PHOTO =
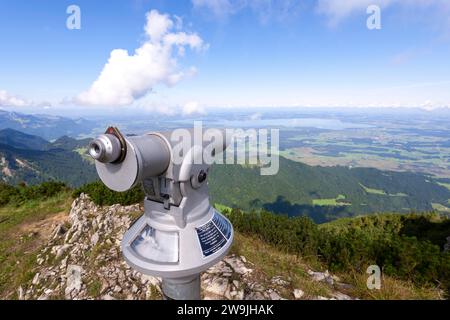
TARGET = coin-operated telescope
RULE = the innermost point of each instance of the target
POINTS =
(180, 234)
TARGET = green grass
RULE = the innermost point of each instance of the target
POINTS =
(221, 207)
(274, 262)
(18, 250)
(94, 288)
(33, 210)
(83, 153)
(336, 202)
(391, 289)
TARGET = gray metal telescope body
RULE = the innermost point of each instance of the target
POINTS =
(180, 234)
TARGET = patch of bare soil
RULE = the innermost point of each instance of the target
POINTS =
(42, 229)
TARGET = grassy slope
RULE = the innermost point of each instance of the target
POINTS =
(20, 242)
(336, 202)
(273, 262)
(19, 246)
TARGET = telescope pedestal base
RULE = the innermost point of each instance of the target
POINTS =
(182, 289)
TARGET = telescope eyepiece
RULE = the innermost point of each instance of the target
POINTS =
(106, 148)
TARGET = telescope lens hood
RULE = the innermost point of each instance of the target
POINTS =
(106, 148)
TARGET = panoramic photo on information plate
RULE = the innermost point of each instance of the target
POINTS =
(225, 150)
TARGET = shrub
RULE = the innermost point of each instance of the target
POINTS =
(354, 244)
(298, 235)
(6, 193)
(17, 195)
(102, 196)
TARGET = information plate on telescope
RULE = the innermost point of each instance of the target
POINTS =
(223, 225)
(213, 235)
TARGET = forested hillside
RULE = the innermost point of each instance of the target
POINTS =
(30, 159)
(325, 193)
(22, 140)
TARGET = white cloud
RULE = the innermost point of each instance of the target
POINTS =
(126, 78)
(430, 105)
(193, 107)
(154, 107)
(8, 100)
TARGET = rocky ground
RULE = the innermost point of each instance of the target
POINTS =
(82, 260)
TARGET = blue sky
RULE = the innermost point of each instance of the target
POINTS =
(236, 53)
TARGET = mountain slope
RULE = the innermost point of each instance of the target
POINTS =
(32, 159)
(22, 140)
(71, 144)
(34, 166)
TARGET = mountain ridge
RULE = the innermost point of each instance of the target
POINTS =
(46, 126)
(22, 140)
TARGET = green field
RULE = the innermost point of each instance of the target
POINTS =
(440, 207)
(83, 153)
(447, 185)
(336, 202)
(373, 191)
(397, 148)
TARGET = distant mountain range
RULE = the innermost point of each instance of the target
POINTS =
(31, 159)
(322, 193)
(45, 126)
